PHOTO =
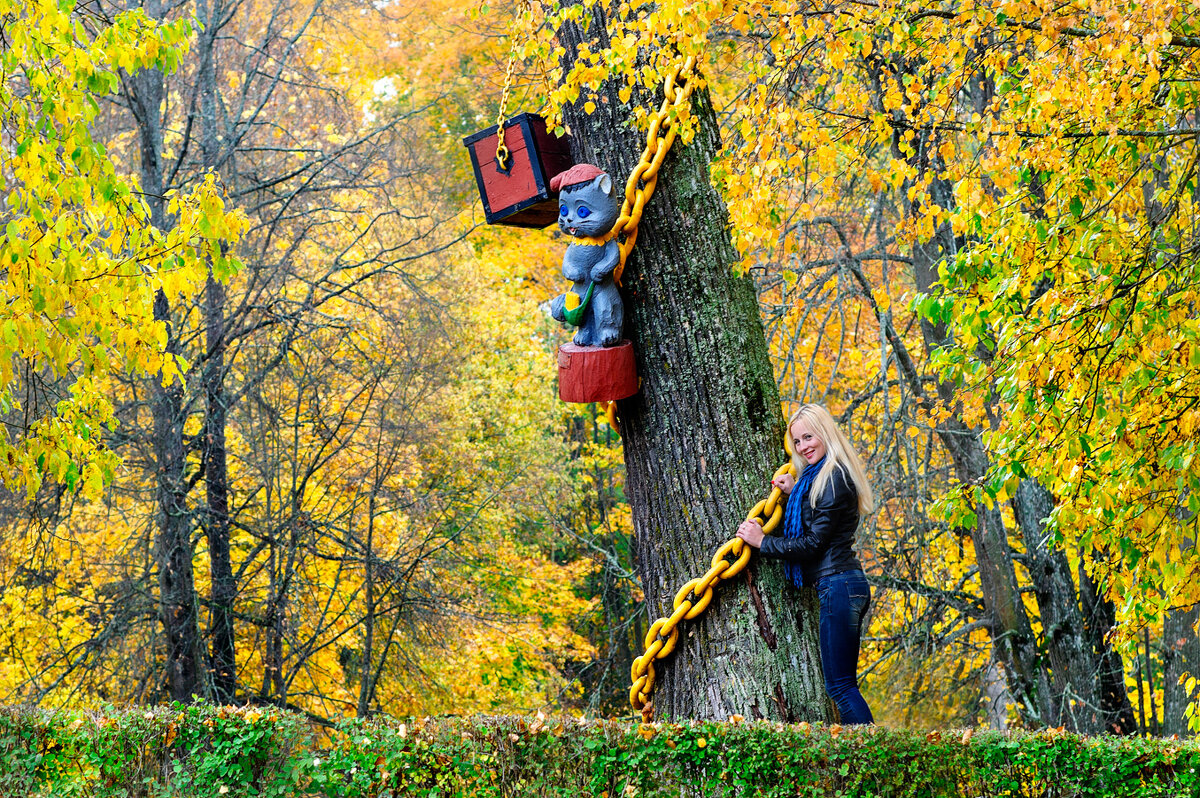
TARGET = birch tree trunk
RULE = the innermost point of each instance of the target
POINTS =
(704, 435)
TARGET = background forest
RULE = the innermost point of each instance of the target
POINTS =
(281, 417)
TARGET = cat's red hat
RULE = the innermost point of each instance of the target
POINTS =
(579, 173)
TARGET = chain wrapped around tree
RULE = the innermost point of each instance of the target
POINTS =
(601, 238)
(695, 596)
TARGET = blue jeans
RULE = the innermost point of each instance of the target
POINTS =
(845, 598)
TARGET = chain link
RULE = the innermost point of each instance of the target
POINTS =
(677, 94)
(502, 153)
(695, 596)
(734, 555)
(609, 410)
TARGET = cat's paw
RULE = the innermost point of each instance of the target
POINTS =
(610, 337)
(556, 308)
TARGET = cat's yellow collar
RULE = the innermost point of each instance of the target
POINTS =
(593, 241)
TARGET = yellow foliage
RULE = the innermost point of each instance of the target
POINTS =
(1055, 146)
(82, 263)
(400, 465)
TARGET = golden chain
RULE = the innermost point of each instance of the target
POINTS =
(677, 93)
(502, 153)
(694, 597)
(609, 409)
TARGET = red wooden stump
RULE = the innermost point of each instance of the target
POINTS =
(596, 373)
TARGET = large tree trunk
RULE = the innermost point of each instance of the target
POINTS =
(173, 546)
(704, 435)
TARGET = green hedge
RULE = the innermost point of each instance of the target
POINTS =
(212, 751)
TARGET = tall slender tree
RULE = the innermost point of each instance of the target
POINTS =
(177, 595)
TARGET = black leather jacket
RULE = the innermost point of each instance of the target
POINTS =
(827, 544)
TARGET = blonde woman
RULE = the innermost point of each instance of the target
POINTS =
(819, 522)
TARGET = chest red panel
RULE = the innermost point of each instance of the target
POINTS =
(519, 195)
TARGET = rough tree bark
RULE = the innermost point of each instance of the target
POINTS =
(173, 546)
(704, 435)
(1181, 654)
(1099, 617)
(1077, 698)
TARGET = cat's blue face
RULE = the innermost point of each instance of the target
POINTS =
(586, 209)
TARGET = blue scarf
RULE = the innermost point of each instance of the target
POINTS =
(793, 518)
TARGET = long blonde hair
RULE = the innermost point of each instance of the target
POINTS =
(839, 453)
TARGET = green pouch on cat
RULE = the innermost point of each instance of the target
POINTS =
(574, 316)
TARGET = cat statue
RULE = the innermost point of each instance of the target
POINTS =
(587, 211)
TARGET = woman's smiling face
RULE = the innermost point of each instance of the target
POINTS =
(806, 443)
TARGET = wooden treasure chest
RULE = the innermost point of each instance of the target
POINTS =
(519, 194)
